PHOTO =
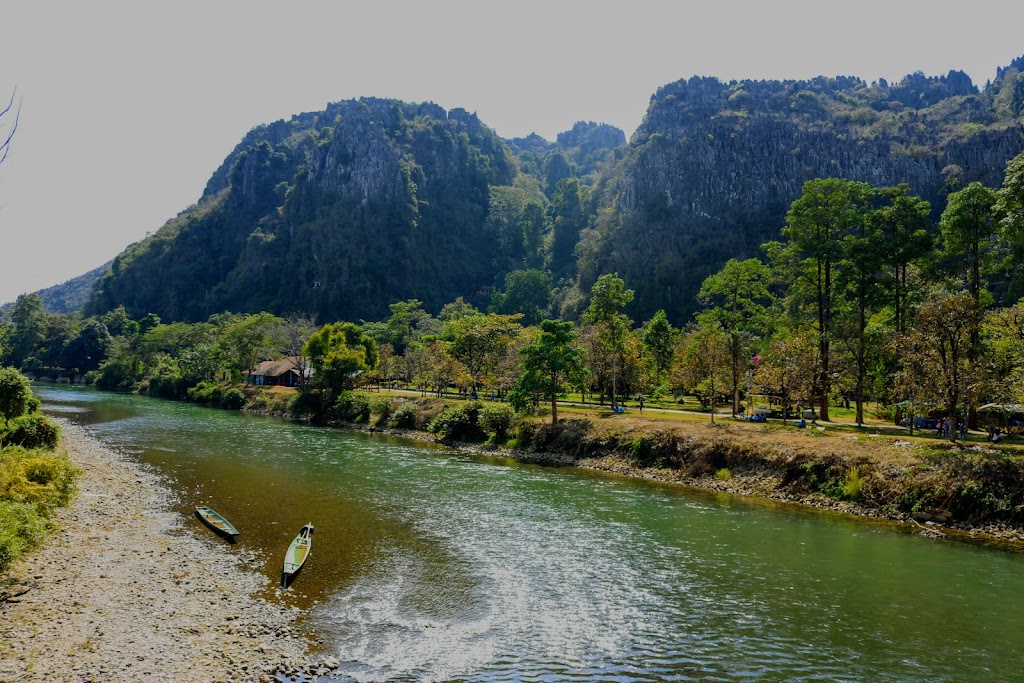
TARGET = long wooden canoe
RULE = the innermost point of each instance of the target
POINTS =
(297, 554)
(216, 522)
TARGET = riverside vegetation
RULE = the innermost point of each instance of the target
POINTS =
(34, 478)
(785, 281)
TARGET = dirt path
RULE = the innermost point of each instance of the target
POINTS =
(123, 592)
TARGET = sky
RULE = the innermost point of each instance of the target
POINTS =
(127, 108)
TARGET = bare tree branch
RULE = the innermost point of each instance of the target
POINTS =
(6, 146)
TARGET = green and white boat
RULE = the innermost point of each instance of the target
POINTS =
(217, 522)
(297, 554)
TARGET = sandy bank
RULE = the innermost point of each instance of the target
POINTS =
(123, 591)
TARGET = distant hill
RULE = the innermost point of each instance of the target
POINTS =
(67, 297)
(341, 212)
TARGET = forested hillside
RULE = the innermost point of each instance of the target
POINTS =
(341, 212)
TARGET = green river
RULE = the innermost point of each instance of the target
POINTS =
(434, 565)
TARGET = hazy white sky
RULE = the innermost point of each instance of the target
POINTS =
(128, 107)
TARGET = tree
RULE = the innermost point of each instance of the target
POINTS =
(407, 322)
(703, 363)
(816, 224)
(787, 368)
(15, 394)
(659, 340)
(527, 292)
(250, 338)
(5, 147)
(938, 368)
(339, 353)
(608, 297)
(1010, 209)
(479, 342)
(86, 350)
(858, 280)
(903, 229)
(568, 218)
(967, 231)
(549, 364)
(739, 294)
(29, 318)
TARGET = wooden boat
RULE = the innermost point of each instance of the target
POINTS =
(216, 522)
(297, 553)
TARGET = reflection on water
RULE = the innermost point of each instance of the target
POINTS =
(432, 565)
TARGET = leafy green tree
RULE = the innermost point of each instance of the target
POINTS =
(408, 323)
(659, 340)
(479, 342)
(29, 319)
(527, 292)
(15, 394)
(608, 297)
(938, 369)
(903, 226)
(703, 365)
(861, 291)
(817, 224)
(87, 349)
(738, 295)
(549, 364)
(1010, 209)
(339, 353)
(787, 368)
(250, 338)
(568, 218)
(535, 227)
(967, 230)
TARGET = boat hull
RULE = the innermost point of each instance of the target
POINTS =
(298, 552)
(217, 522)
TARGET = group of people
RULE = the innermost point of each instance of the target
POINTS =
(944, 428)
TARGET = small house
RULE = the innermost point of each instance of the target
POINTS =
(286, 372)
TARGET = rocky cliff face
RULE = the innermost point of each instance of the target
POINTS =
(710, 173)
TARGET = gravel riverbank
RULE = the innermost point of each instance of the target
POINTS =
(123, 591)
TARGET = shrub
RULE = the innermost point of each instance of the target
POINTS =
(208, 393)
(306, 405)
(497, 419)
(382, 407)
(31, 431)
(15, 392)
(459, 423)
(725, 474)
(853, 484)
(404, 417)
(166, 380)
(22, 527)
(352, 406)
(232, 399)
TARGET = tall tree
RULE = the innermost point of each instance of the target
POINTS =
(1010, 209)
(339, 353)
(659, 340)
(549, 364)
(479, 342)
(967, 231)
(816, 224)
(903, 224)
(29, 318)
(738, 295)
(608, 297)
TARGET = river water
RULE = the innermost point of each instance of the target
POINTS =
(432, 565)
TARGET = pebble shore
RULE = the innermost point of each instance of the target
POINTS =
(124, 591)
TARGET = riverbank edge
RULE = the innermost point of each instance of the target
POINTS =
(793, 475)
(124, 589)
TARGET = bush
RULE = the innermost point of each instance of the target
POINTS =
(232, 399)
(725, 474)
(459, 423)
(22, 528)
(31, 431)
(207, 393)
(404, 417)
(166, 380)
(352, 406)
(853, 485)
(306, 405)
(383, 407)
(497, 419)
